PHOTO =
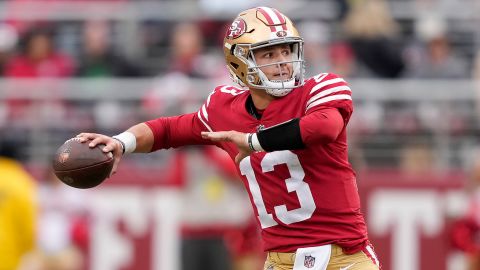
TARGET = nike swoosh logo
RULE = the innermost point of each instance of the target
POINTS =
(347, 267)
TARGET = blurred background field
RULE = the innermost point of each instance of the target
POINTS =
(102, 66)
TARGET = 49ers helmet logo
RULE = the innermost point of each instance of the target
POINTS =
(282, 33)
(237, 28)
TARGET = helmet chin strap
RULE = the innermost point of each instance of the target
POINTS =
(278, 88)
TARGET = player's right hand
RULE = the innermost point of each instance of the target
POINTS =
(111, 145)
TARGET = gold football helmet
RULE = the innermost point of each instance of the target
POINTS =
(257, 28)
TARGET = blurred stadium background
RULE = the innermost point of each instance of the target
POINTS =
(102, 66)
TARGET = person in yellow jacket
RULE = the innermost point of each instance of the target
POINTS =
(17, 210)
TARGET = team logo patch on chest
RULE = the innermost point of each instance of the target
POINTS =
(309, 261)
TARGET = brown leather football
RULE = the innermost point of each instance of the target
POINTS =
(79, 166)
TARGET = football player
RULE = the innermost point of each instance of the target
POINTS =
(287, 135)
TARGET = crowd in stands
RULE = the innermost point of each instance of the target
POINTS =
(364, 40)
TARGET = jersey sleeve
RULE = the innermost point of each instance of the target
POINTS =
(186, 129)
(329, 90)
(176, 131)
(321, 126)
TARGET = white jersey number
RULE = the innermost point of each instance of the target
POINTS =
(294, 184)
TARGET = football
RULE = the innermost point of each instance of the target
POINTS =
(79, 166)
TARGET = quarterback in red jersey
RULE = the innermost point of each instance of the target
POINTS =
(288, 138)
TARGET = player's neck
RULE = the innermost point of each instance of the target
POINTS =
(261, 99)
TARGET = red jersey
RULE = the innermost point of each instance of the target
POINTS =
(302, 198)
(56, 65)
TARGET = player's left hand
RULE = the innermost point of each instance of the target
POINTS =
(238, 138)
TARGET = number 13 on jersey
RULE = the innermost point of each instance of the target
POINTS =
(294, 184)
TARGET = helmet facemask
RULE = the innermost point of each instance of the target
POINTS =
(256, 78)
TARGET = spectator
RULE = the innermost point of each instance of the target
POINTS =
(18, 211)
(38, 58)
(98, 58)
(323, 53)
(342, 59)
(417, 159)
(188, 61)
(432, 57)
(373, 36)
(317, 43)
(186, 49)
(188, 55)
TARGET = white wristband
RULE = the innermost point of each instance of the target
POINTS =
(128, 139)
(256, 144)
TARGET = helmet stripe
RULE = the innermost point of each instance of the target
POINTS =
(265, 14)
(274, 18)
(281, 18)
(273, 15)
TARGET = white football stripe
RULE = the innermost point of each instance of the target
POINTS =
(372, 253)
(208, 98)
(278, 28)
(325, 83)
(327, 99)
(328, 92)
(204, 112)
(204, 123)
(272, 15)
